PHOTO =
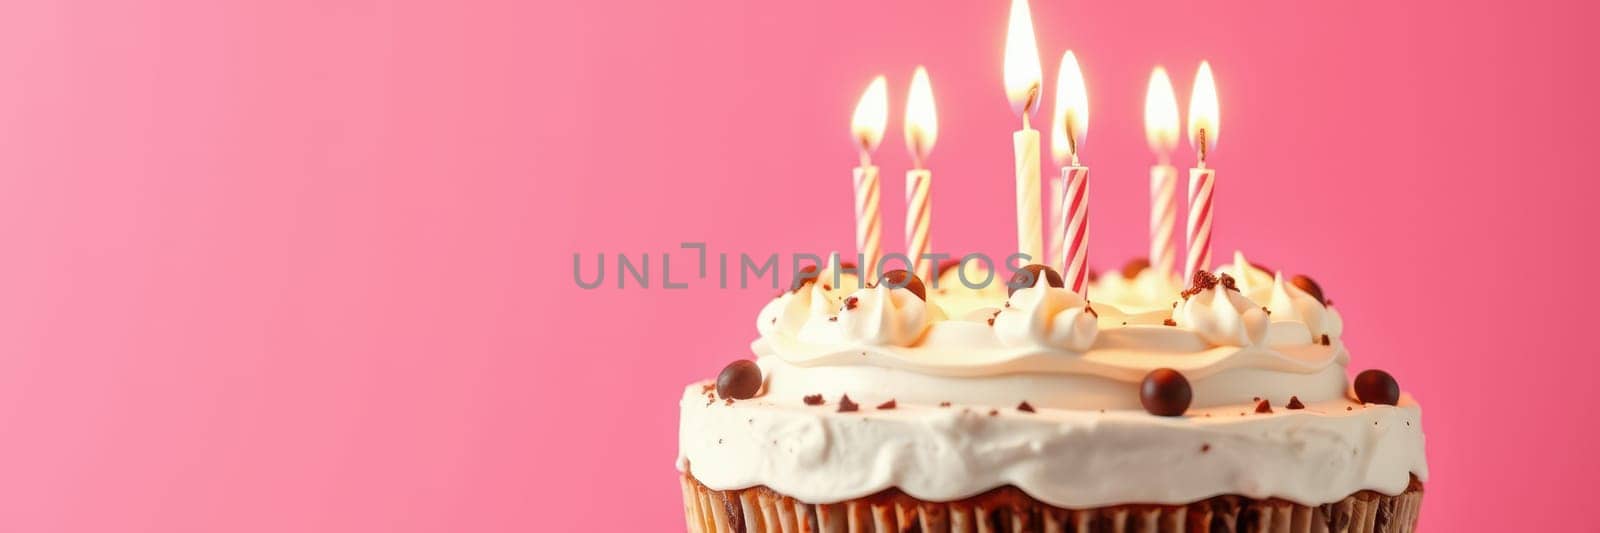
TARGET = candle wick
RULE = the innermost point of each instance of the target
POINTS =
(1072, 143)
(1202, 146)
(1027, 105)
(866, 158)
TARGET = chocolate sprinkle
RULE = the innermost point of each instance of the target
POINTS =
(1133, 267)
(944, 404)
(994, 412)
(1294, 403)
(1229, 283)
(740, 380)
(1377, 386)
(887, 405)
(1264, 407)
(1205, 448)
(1326, 341)
(1024, 407)
(1305, 283)
(813, 399)
(900, 279)
(851, 302)
(1029, 275)
(847, 406)
(1202, 280)
(1169, 322)
(1090, 309)
(1165, 392)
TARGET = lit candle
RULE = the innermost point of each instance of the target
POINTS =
(1023, 79)
(1161, 129)
(1066, 136)
(922, 129)
(866, 125)
(1203, 115)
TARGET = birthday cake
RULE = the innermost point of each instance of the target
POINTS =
(965, 399)
(1019, 406)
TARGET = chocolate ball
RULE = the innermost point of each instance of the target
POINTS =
(1306, 284)
(1377, 386)
(900, 279)
(1165, 392)
(1030, 274)
(740, 380)
(1133, 267)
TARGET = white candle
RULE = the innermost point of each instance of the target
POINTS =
(922, 129)
(866, 126)
(1023, 78)
(1161, 130)
(1070, 126)
(1203, 121)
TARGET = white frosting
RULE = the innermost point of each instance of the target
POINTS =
(1067, 458)
(1082, 373)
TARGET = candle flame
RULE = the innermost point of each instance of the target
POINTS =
(871, 116)
(1161, 114)
(922, 120)
(1072, 111)
(1203, 113)
(1023, 74)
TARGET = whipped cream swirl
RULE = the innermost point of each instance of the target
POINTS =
(1223, 317)
(1047, 316)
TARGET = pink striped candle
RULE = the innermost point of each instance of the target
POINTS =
(866, 126)
(1161, 130)
(1075, 251)
(922, 129)
(1202, 181)
(918, 210)
(1163, 214)
(869, 226)
(1066, 136)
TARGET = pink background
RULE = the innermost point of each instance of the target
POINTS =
(306, 265)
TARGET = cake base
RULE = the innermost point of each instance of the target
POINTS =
(1010, 510)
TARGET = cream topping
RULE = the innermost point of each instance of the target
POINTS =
(979, 349)
(885, 316)
(1046, 316)
(1223, 317)
(1289, 303)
